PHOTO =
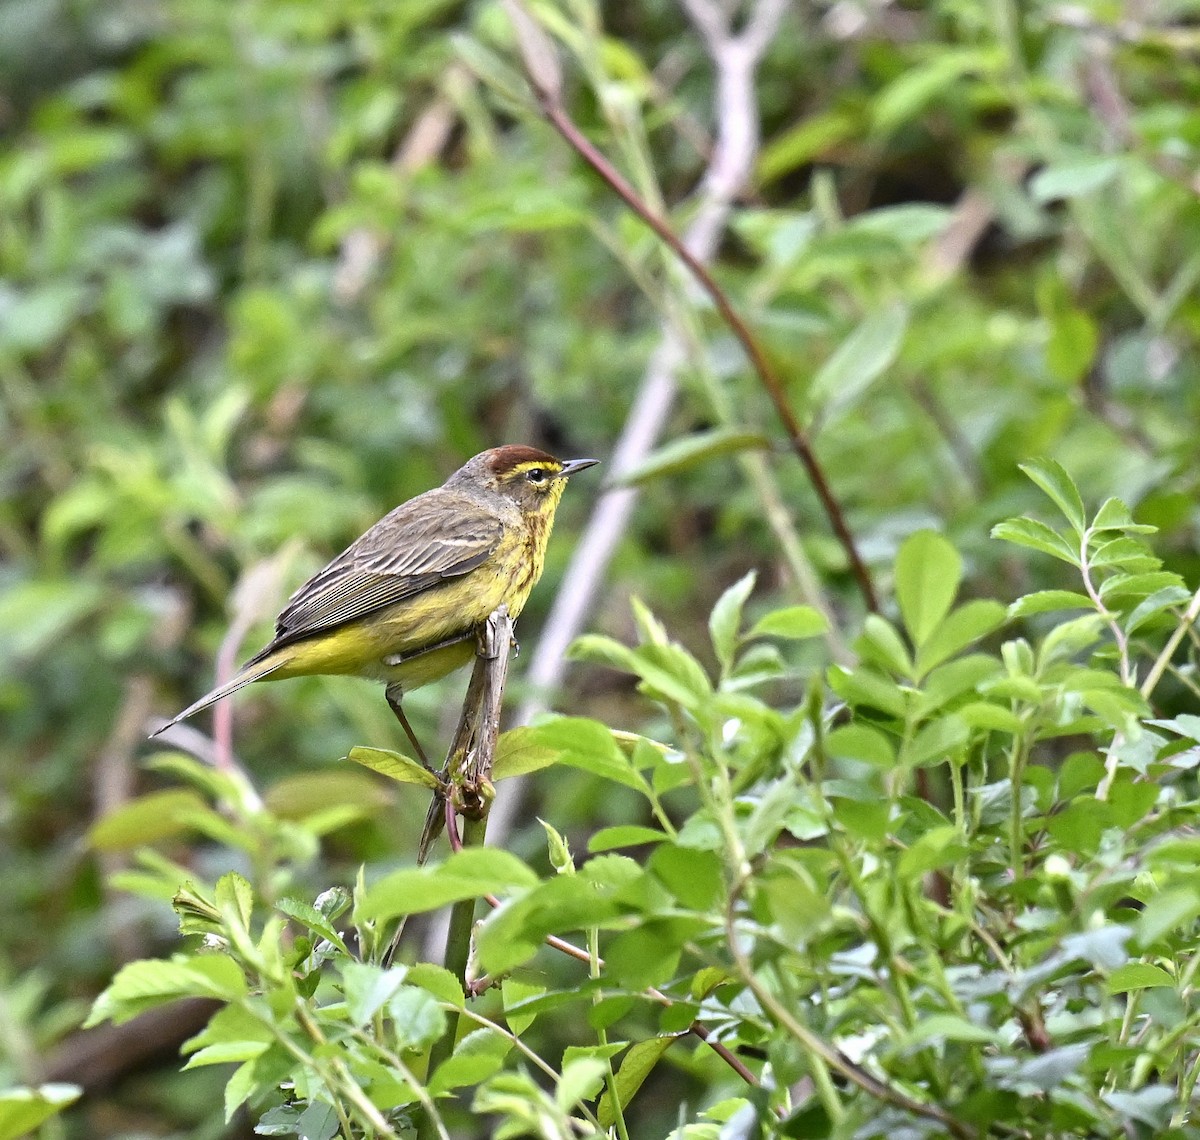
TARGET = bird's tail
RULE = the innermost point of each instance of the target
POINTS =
(254, 670)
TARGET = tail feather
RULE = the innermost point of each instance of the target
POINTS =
(250, 672)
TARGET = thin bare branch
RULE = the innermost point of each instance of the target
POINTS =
(734, 90)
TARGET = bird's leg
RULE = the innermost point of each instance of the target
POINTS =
(394, 696)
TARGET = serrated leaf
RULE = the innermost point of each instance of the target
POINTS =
(684, 454)
(590, 746)
(141, 985)
(1114, 515)
(795, 622)
(395, 765)
(1036, 536)
(417, 1018)
(1049, 601)
(928, 573)
(1053, 479)
(476, 1057)
(309, 916)
(438, 981)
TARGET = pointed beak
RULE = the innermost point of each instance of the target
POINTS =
(571, 466)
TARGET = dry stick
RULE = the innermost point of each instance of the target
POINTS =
(469, 792)
(558, 117)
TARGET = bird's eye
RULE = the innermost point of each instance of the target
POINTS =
(537, 475)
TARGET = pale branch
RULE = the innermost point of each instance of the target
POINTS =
(729, 170)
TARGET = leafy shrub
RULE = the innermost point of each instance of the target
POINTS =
(950, 891)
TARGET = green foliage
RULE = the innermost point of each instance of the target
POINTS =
(270, 268)
(901, 892)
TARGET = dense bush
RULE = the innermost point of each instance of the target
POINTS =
(268, 270)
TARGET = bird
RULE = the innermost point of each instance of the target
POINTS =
(402, 603)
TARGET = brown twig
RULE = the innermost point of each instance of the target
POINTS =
(542, 75)
(468, 792)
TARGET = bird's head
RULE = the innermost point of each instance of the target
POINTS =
(533, 479)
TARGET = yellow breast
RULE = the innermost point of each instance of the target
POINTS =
(404, 643)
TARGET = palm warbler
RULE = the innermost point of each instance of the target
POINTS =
(403, 602)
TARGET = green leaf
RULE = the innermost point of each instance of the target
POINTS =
(145, 984)
(146, 820)
(23, 1110)
(233, 1033)
(417, 1018)
(580, 1080)
(1037, 536)
(1138, 976)
(636, 1066)
(684, 454)
(861, 742)
(940, 740)
(1053, 479)
(624, 835)
(1071, 348)
(725, 621)
(312, 918)
(949, 1027)
(395, 765)
(962, 627)
(467, 874)
(1049, 601)
(917, 86)
(1167, 911)
(928, 572)
(670, 673)
(519, 752)
(515, 992)
(795, 622)
(1073, 178)
(368, 988)
(693, 877)
(858, 361)
(476, 1057)
(1114, 515)
(939, 847)
(881, 645)
(438, 981)
(863, 687)
(588, 745)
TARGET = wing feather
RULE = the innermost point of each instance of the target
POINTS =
(438, 535)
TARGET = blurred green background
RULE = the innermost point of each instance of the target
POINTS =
(269, 268)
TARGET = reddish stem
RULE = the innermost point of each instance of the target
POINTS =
(562, 122)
